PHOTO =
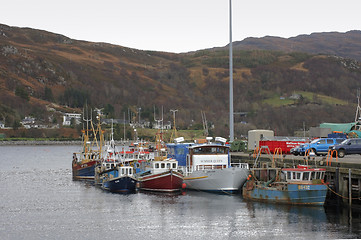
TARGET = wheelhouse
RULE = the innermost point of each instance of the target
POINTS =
(303, 173)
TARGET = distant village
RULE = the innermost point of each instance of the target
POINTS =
(70, 119)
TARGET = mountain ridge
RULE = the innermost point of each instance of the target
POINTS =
(40, 70)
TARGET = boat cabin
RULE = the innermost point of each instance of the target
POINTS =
(303, 173)
(207, 156)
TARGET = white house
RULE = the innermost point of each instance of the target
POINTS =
(69, 116)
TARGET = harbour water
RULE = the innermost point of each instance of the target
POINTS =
(39, 200)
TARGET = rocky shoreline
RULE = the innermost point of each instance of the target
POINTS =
(45, 142)
(48, 142)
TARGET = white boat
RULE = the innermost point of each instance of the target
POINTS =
(207, 168)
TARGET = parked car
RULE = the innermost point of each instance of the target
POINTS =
(296, 150)
(349, 146)
(320, 146)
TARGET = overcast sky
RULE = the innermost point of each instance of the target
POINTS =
(180, 25)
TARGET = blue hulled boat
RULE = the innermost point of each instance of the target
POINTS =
(113, 173)
(119, 179)
(301, 186)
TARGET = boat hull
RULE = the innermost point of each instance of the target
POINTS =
(226, 180)
(169, 181)
(298, 194)
(84, 171)
(124, 184)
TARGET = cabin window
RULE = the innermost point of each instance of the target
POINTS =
(288, 175)
(174, 166)
(130, 171)
(157, 165)
(168, 165)
(293, 175)
(126, 171)
(306, 176)
(122, 171)
(162, 165)
(318, 176)
(180, 151)
(313, 175)
(298, 176)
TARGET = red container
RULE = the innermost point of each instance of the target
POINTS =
(282, 145)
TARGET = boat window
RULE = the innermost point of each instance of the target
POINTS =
(122, 171)
(298, 175)
(126, 171)
(157, 165)
(293, 175)
(162, 165)
(306, 176)
(322, 175)
(288, 175)
(180, 151)
(318, 176)
(174, 165)
(130, 171)
(168, 165)
(313, 175)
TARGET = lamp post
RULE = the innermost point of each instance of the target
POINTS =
(231, 118)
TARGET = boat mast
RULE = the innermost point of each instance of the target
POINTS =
(358, 109)
(231, 118)
(174, 132)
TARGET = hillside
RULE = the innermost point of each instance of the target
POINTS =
(42, 73)
(347, 45)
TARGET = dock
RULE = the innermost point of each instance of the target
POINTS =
(343, 175)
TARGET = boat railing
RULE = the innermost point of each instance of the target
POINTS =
(240, 165)
(208, 167)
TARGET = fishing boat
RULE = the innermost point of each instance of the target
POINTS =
(84, 162)
(206, 166)
(114, 173)
(159, 174)
(301, 185)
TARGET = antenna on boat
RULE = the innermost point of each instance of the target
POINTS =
(174, 132)
(358, 109)
(205, 125)
(159, 134)
(124, 126)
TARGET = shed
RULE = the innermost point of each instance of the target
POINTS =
(254, 136)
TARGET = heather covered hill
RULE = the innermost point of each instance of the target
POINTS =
(43, 74)
(347, 45)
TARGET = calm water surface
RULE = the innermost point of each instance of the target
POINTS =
(39, 200)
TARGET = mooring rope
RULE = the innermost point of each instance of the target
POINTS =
(359, 198)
